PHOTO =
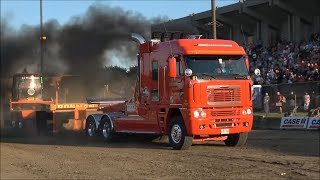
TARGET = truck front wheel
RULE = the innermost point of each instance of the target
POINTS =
(238, 139)
(178, 137)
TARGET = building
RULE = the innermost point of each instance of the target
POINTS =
(251, 21)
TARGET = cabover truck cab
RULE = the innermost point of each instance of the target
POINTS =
(189, 89)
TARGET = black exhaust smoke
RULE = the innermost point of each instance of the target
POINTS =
(83, 46)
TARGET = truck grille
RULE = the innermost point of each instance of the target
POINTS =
(223, 95)
(226, 113)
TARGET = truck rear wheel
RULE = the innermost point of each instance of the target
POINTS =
(91, 129)
(106, 129)
(178, 137)
(238, 139)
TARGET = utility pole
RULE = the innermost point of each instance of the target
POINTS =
(214, 24)
(41, 40)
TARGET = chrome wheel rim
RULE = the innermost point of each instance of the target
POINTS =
(105, 130)
(91, 129)
(176, 133)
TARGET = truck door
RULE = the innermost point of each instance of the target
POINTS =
(175, 90)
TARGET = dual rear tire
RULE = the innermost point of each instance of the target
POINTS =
(91, 130)
(104, 130)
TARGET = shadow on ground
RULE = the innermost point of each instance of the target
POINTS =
(79, 139)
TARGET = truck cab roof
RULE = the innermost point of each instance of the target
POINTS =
(196, 47)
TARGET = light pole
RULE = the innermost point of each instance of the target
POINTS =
(214, 24)
(42, 39)
(41, 43)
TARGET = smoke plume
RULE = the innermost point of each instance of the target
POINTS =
(83, 46)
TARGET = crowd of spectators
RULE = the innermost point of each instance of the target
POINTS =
(285, 62)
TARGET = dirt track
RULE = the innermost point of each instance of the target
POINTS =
(267, 155)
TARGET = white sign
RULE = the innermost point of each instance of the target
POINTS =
(314, 123)
(294, 122)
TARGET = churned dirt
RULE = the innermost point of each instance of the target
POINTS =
(269, 154)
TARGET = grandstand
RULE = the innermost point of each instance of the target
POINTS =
(252, 21)
(281, 38)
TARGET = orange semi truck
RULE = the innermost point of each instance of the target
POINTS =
(189, 89)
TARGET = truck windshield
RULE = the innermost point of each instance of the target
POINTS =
(217, 65)
(28, 86)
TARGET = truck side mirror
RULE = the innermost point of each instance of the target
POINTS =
(172, 63)
(247, 62)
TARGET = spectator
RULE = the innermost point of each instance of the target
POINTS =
(306, 104)
(284, 103)
(266, 103)
(279, 102)
(292, 102)
(286, 62)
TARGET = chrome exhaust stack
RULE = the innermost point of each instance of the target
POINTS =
(138, 38)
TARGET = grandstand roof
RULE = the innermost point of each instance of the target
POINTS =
(287, 19)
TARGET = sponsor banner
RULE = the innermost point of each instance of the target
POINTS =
(294, 123)
(314, 123)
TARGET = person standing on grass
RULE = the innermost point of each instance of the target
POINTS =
(279, 102)
(266, 103)
(306, 104)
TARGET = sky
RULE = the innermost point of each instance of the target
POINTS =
(20, 12)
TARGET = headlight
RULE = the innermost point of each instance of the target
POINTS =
(244, 112)
(31, 91)
(203, 114)
(249, 111)
(196, 114)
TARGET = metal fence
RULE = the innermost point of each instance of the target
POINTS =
(298, 89)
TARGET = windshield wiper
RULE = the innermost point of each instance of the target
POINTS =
(205, 74)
